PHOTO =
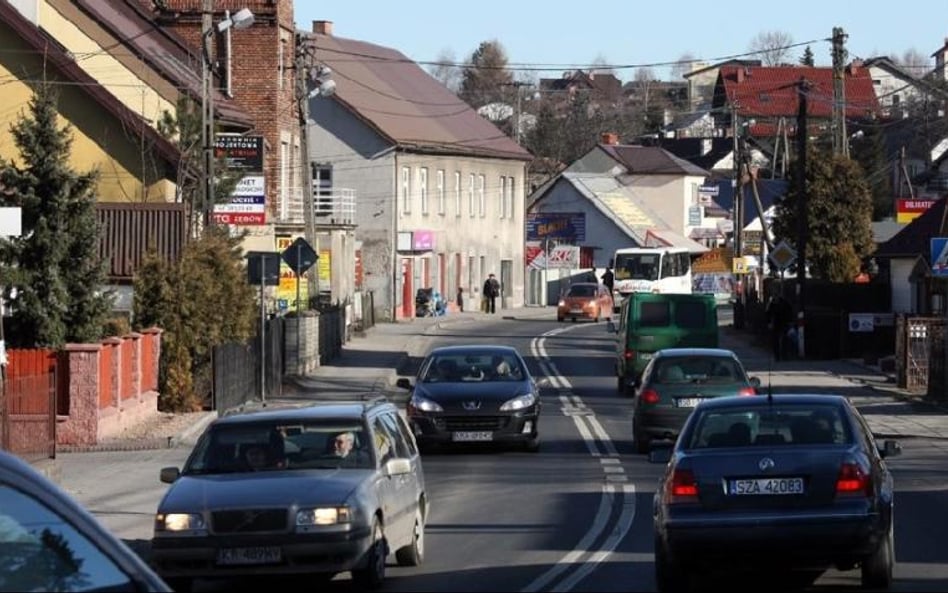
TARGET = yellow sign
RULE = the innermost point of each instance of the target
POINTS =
(286, 291)
(325, 257)
(739, 266)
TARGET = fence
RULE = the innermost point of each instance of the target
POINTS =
(332, 331)
(920, 354)
(28, 409)
(236, 369)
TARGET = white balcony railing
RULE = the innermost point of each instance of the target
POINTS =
(335, 207)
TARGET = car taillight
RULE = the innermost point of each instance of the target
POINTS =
(649, 396)
(853, 480)
(747, 391)
(629, 354)
(681, 487)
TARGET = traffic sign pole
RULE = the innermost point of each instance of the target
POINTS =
(299, 311)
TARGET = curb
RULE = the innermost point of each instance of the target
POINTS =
(190, 434)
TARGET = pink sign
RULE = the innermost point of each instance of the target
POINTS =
(422, 241)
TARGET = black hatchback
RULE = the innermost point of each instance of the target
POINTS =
(786, 484)
(474, 394)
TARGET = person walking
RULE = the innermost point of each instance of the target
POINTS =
(608, 279)
(491, 292)
(779, 319)
(460, 299)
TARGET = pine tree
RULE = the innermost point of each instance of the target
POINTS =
(807, 58)
(484, 80)
(53, 276)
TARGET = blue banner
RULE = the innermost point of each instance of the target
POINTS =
(940, 256)
(569, 227)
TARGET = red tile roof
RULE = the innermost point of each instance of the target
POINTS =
(772, 91)
(401, 101)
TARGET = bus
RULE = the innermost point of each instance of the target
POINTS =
(661, 270)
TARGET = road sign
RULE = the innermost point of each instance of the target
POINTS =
(739, 266)
(263, 268)
(940, 256)
(300, 256)
(782, 256)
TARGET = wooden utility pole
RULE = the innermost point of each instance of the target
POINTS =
(304, 62)
(840, 137)
(207, 108)
(802, 221)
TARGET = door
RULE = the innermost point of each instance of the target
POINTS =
(408, 298)
(397, 497)
(506, 282)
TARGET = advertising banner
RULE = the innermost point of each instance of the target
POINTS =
(286, 290)
(907, 210)
(568, 227)
(244, 153)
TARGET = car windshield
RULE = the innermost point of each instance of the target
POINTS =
(698, 369)
(774, 424)
(279, 446)
(638, 266)
(582, 290)
(473, 367)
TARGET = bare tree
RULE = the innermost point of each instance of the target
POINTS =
(446, 70)
(600, 65)
(682, 66)
(772, 46)
(915, 62)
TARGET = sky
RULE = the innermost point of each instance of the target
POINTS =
(548, 37)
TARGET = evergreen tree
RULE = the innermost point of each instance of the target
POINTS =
(869, 152)
(484, 80)
(807, 58)
(838, 216)
(52, 273)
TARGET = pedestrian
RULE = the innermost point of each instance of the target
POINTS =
(779, 320)
(491, 292)
(461, 299)
(608, 279)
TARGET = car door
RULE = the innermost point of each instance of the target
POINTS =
(398, 505)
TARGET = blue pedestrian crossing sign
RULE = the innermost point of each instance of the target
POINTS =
(940, 256)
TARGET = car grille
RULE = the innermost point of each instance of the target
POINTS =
(462, 423)
(249, 521)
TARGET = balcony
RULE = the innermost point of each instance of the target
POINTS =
(335, 207)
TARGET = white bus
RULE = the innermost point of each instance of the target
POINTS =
(651, 269)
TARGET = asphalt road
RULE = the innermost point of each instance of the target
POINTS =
(577, 515)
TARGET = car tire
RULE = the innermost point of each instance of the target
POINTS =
(668, 574)
(179, 584)
(876, 568)
(532, 445)
(372, 574)
(558, 318)
(620, 385)
(414, 553)
(640, 439)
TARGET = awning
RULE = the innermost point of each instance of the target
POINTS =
(669, 238)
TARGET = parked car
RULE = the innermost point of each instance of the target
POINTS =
(675, 381)
(585, 300)
(48, 542)
(788, 485)
(474, 394)
(651, 322)
(320, 489)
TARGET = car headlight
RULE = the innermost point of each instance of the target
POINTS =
(182, 523)
(323, 516)
(424, 404)
(562, 303)
(519, 403)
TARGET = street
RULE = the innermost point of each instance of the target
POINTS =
(577, 515)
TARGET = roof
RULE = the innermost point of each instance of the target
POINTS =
(669, 352)
(162, 50)
(335, 410)
(57, 57)
(884, 230)
(778, 398)
(651, 160)
(406, 105)
(770, 191)
(704, 153)
(616, 201)
(773, 91)
(718, 65)
(602, 82)
(669, 238)
(457, 348)
(915, 239)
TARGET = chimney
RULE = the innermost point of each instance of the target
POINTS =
(740, 75)
(610, 138)
(322, 28)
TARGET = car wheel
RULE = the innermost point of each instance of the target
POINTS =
(877, 567)
(533, 445)
(669, 577)
(179, 584)
(414, 553)
(641, 439)
(372, 574)
(558, 318)
(620, 385)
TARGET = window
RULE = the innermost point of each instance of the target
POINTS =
(284, 180)
(401, 447)
(440, 182)
(481, 198)
(322, 189)
(384, 447)
(510, 197)
(691, 315)
(655, 315)
(470, 194)
(406, 434)
(457, 193)
(502, 196)
(406, 190)
(281, 61)
(423, 189)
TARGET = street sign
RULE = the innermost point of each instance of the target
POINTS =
(782, 256)
(940, 256)
(300, 256)
(263, 268)
(11, 224)
(739, 266)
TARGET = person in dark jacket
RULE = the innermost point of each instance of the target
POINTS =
(779, 319)
(491, 292)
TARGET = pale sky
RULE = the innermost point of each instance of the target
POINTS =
(554, 35)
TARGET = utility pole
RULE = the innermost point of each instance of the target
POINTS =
(840, 137)
(304, 61)
(207, 112)
(802, 221)
(517, 85)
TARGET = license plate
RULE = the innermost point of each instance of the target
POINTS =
(467, 437)
(766, 486)
(576, 311)
(645, 355)
(688, 402)
(256, 555)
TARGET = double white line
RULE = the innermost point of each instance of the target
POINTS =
(618, 496)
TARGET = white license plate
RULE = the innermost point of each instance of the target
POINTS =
(256, 555)
(468, 437)
(688, 402)
(576, 311)
(645, 355)
(766, 486)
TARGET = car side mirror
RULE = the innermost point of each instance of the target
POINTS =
(169, 475)
(890, 448)
(755, 382)
(403, 383)
(660, 451)
(397, 467)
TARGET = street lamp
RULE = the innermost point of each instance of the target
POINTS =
(242, 19)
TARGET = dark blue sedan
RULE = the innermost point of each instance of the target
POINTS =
(790, 485)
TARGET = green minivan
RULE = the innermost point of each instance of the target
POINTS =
(650, 322)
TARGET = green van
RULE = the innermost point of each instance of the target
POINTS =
(650, 322)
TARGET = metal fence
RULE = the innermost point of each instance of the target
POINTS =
(332, 331)
(919, 344)
(237, 369)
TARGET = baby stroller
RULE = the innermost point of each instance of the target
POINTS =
(424, 302)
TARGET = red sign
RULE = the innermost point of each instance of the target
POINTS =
(358, 269)
(907, 210)
(245, 218)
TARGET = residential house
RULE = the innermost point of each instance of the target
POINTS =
(439, 190)
(603, 87)
(703, 77)
(895, 86)
(614, 196)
